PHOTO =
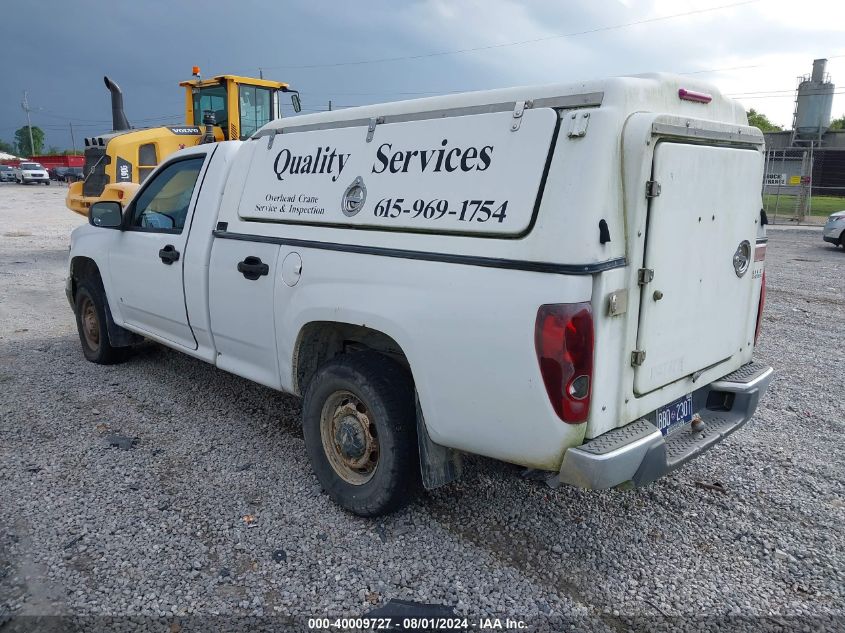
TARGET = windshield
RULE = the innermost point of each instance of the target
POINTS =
(5, 168)
(212, 98)
(31, 166)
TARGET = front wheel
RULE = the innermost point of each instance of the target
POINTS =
(47, 183)
(359, 422)
(92, 325)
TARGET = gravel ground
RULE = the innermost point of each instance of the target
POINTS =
(211, 509)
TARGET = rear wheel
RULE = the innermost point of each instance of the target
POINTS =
(92, 325)
(842, 240)
(359, 422)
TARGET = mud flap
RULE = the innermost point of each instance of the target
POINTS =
(439, 465)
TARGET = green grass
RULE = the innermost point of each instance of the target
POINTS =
(821, 206)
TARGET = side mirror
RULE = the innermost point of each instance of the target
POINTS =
(294, 99)
(106, 215)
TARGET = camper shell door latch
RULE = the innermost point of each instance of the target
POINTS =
(519, 109)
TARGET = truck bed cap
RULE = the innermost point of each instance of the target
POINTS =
(654, 92)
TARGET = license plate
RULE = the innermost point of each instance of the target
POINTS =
(674, 414)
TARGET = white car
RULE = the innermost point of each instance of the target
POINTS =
(30, 173)
(545, 275)
(834, 229)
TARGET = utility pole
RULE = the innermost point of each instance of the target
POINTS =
(26, 108)
(72, 139)
(261, 73)
(330, 105)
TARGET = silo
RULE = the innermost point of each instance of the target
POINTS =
(815, 100)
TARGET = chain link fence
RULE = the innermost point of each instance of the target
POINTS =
(803, 185)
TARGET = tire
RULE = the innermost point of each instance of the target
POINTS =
(91, 320)
(47, 183)
(842, 240)
(366, 401)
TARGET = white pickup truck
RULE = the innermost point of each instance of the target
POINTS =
(565, 277)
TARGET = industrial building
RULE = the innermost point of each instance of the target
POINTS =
(809, 159)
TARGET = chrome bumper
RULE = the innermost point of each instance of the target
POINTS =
(638, 453)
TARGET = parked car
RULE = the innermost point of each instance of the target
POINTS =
(834, 229)
(545, 276)
(73, 174)
(7, 174)
(57, 173)
(31, 173)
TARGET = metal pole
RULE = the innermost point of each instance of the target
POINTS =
(25, 106)
(72, 139)
(330, 105)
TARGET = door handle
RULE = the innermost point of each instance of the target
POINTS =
(169, 254)
(252, 268)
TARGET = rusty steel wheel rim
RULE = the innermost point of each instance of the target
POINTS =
(90, 323)
(350, 439)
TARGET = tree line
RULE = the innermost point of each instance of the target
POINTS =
(21, 146)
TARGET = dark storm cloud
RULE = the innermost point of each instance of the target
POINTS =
(63, 49)
(59, 50)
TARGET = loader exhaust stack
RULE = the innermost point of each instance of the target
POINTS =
(119, 122)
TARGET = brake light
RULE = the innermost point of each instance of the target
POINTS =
(760, 308)
(692, 95)
(563, 339)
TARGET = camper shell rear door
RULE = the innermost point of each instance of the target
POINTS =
(702, 211)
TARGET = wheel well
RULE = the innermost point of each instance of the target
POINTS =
(82, 268)
(320, 341)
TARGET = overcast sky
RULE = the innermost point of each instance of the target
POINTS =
(58, 50)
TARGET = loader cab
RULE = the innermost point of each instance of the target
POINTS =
(241, 105)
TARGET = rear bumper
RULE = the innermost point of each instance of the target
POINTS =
(639, 454)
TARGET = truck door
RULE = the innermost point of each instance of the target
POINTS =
(146, 262)
(697, 294)
(241, 304)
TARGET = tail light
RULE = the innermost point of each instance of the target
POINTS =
(760, 308)
(563, 338)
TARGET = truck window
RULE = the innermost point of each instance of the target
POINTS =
(163, 204)
(256, 109)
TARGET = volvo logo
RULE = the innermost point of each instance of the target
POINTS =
(742, 258)
(354, 197)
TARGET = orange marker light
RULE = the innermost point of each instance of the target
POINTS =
(195, 70)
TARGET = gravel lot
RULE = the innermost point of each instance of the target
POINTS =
(158, 530)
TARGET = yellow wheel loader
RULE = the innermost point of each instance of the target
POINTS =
(225, 107)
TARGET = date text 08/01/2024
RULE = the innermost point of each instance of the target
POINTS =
(415, 624)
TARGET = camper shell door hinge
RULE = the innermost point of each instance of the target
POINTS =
(637, 357)
(652, 189)
(519, 109)
(644, 276)
(578, 123)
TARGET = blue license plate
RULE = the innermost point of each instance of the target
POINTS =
(674, 414)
